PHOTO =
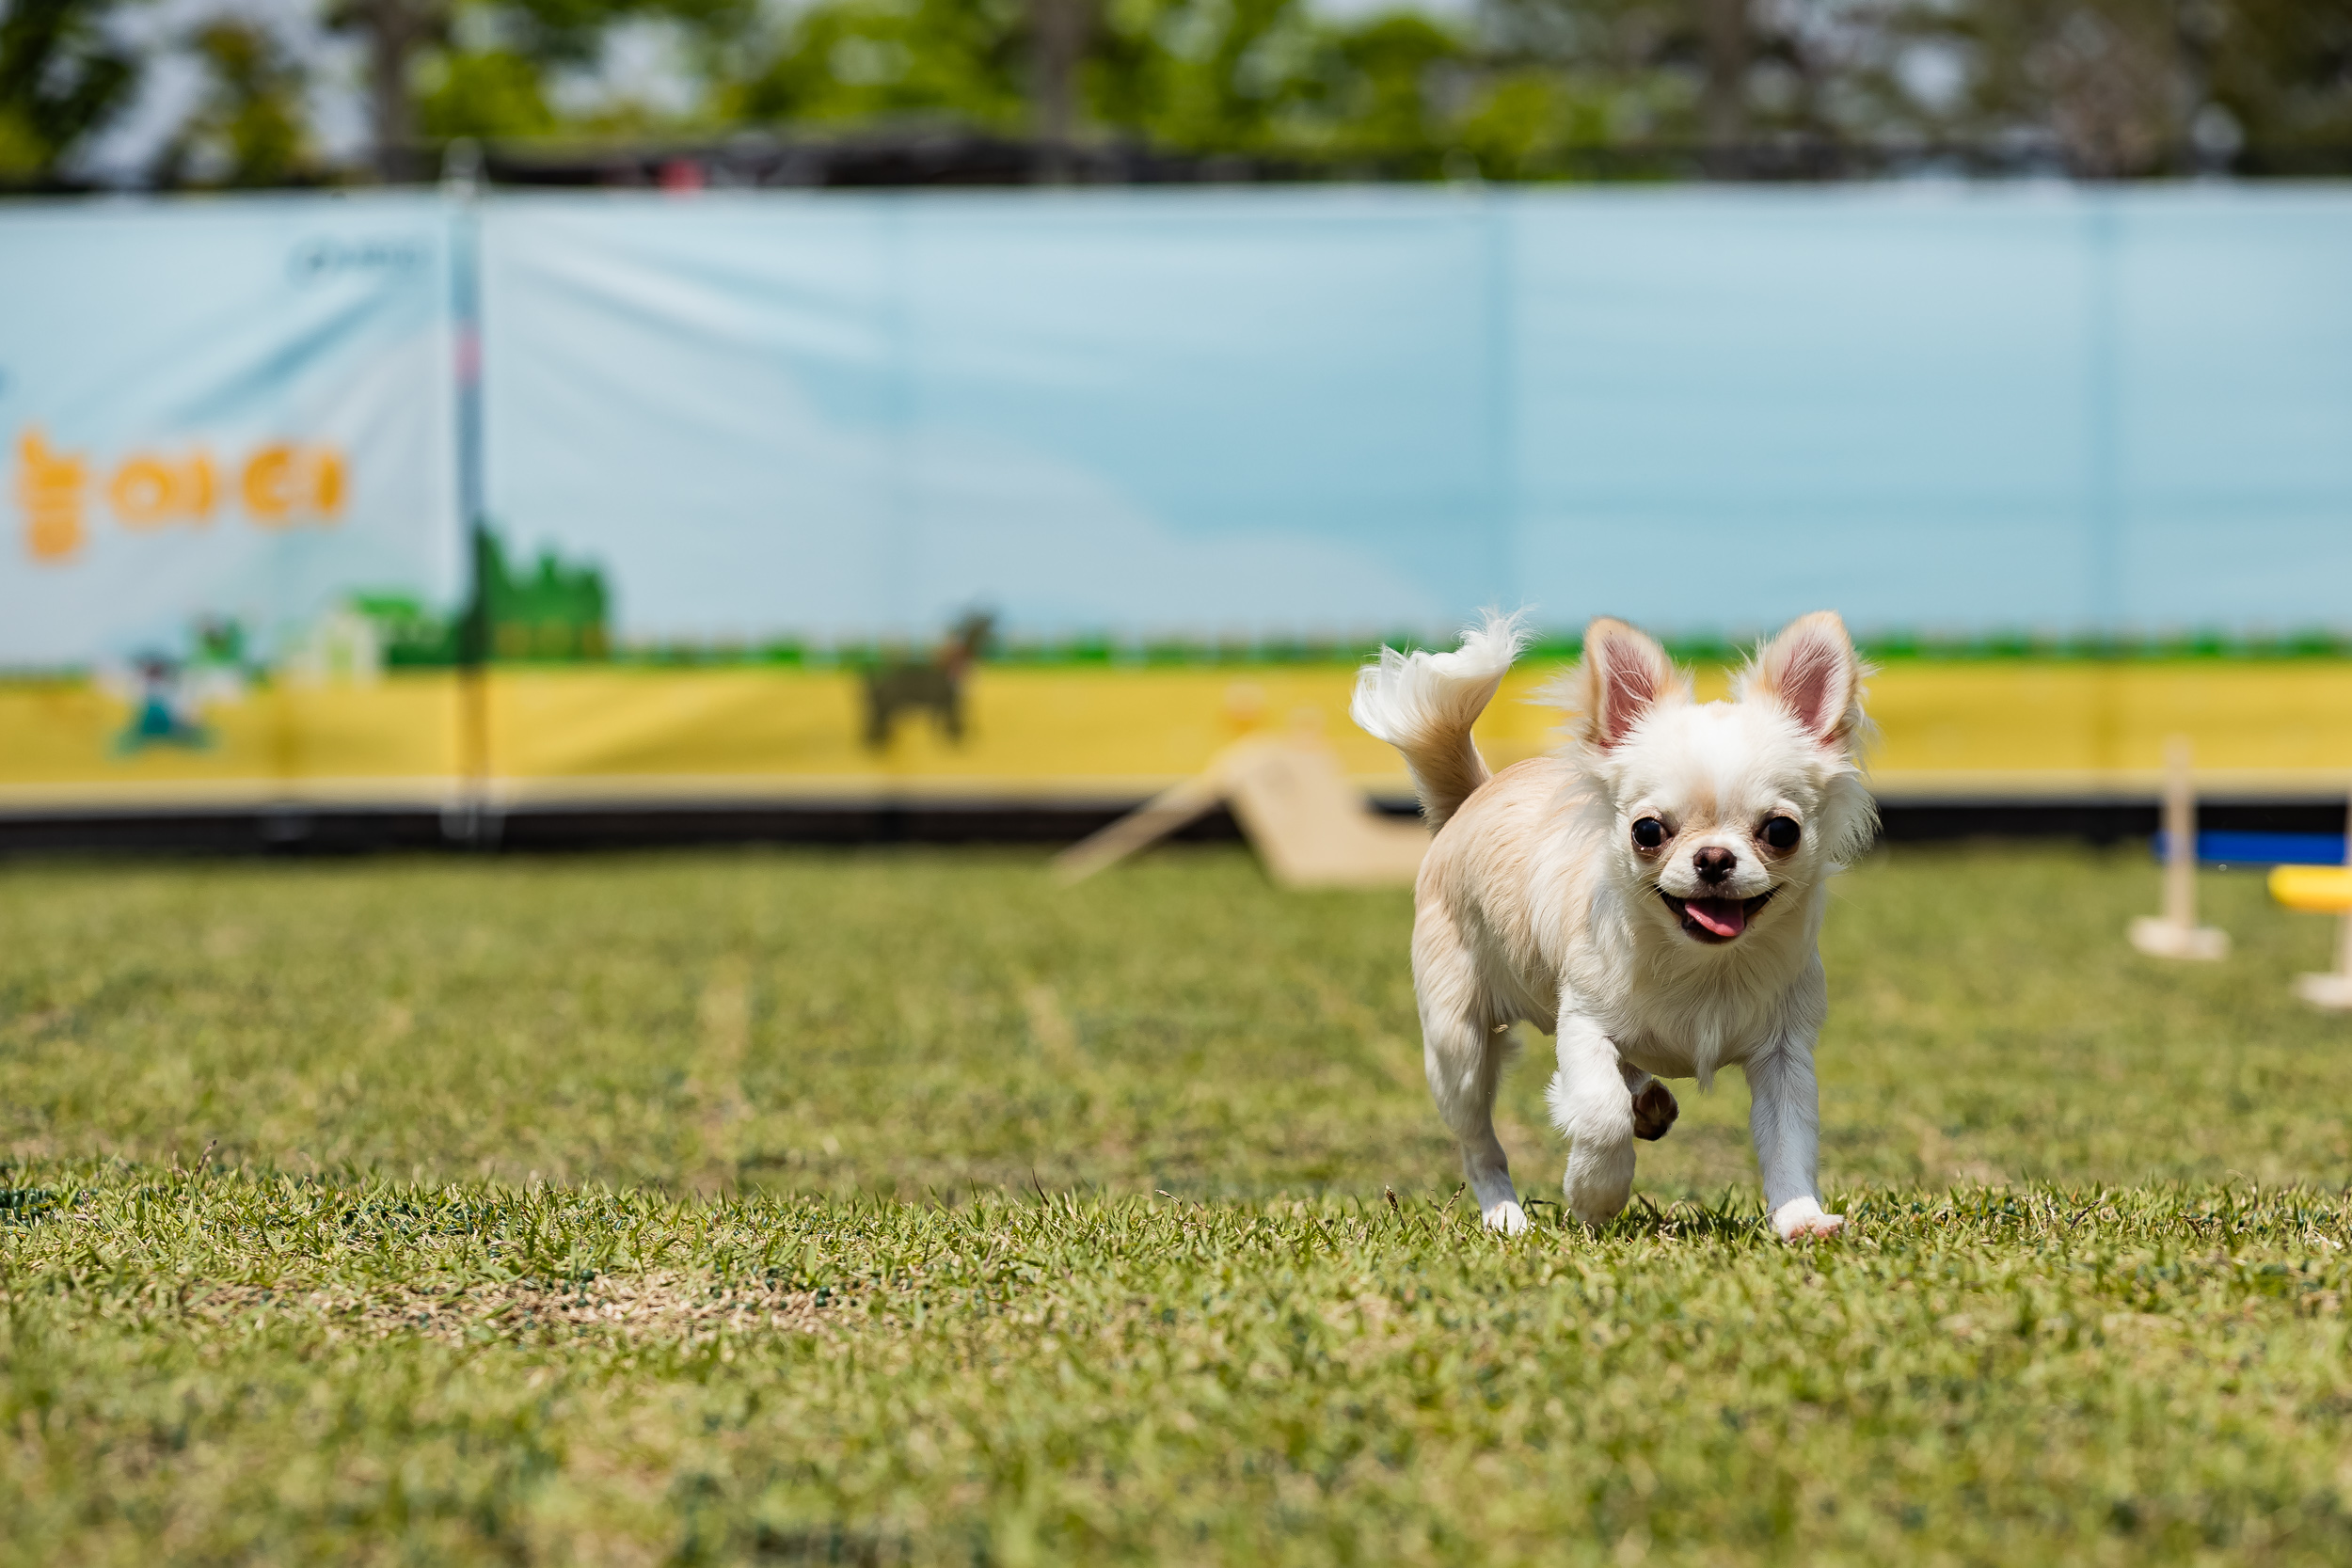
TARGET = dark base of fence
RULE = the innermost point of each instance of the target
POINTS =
(2101, 820)
(362, 830)
(356, 831)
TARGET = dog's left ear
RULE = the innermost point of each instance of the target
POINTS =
(1811, 670)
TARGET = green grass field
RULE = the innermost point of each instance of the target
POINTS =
(905, 1208)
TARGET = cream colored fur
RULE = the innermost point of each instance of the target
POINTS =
(1424, 703)
(1537, 901)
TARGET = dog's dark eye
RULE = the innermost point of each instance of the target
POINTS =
(1781, 832)
(1650, 832)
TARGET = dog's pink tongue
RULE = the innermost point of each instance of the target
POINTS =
(1725, 917)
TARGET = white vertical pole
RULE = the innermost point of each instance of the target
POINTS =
(2333, 989)
(2175, 934)
(2180, 836)
(2344, 925)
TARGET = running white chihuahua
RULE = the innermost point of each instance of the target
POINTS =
(1652, 893)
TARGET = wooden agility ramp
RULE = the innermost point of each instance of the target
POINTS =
(1310, 826)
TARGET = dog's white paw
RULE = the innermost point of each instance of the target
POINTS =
(1507, 1219)
(1599, 1181)
(1801, 1217)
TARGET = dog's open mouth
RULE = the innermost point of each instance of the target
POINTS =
(1715, 919)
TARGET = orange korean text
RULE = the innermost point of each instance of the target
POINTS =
(277, 484)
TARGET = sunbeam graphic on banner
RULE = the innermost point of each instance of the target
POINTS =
(231, 432)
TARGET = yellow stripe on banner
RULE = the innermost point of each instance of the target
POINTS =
(1058, 729)
(74, 742)
(1961, 729)
(1977, 728)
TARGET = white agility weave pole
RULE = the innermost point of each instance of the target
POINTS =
(2175, 933)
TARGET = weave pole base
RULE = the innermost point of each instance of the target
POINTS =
(2331, 991)
(2166, 939)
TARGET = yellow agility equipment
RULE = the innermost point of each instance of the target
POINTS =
(2314, 889)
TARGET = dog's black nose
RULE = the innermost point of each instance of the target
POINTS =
(1714, 863)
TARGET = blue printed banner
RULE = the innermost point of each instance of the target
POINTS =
(227, 423)
(1190, 414)
(235, 548)
(1342, 412)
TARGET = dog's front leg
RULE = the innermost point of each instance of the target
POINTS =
(1590, 1104)
(1785, 1117)
(1655, 1108)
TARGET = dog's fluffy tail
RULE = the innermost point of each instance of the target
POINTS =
(1424, 703)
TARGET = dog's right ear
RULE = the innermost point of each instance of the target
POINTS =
(1624, 675)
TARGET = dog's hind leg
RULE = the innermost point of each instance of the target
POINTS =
(1464, 1054)
(1590, 1104)
(1464, 1058)
(1785, 1117)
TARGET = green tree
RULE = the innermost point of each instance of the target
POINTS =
(2281, 69)
(62, 79)
(1570, 78)
(2102, 82)
(843, 61)
(438, 69)
(1573, 74)
(1382, 90)
(249, 128)
(1526, 89)
(1261, 78)
(490, 93)
(1205, 75)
